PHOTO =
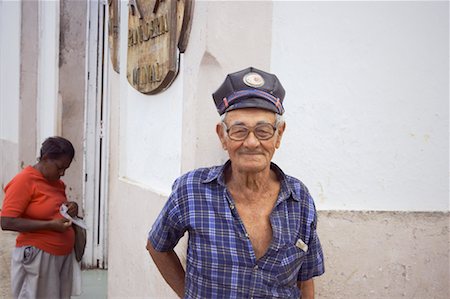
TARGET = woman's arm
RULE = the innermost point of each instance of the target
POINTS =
(30, 225)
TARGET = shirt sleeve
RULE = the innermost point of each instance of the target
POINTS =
(168, 227)
(314, 263)
(17, 197)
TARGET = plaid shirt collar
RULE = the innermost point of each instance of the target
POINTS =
(286, 192)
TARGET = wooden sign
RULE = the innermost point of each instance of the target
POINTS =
(113, 33)
(158, 31)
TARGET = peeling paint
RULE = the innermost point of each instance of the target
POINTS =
(321, 195)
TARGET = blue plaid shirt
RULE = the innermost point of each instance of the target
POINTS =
(221, 262)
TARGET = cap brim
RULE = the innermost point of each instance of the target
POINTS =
(260, 103)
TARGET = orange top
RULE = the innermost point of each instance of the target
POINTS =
(29, 195)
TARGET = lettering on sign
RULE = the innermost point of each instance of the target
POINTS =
(158, 31)
(147, 74)
(145, 32)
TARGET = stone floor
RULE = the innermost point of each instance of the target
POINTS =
(94, 282)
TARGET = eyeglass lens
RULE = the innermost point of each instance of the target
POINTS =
(262, 131)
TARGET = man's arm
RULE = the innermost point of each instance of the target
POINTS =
(307, 288)
(170, 267)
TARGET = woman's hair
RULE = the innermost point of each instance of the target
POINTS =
(57, 147)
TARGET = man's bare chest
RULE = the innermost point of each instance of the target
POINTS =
(256, 220)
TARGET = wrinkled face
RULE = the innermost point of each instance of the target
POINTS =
(54, 169)
(250, 155)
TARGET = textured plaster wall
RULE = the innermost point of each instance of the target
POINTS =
(72, 73)
(150, 127)
(28, 83)
(134, 203)
(21, 71)
(212, 53)
(48, 101)
(9, 152)
(368, 254)
(367, 101)
(410, 261)
(132, 209)
(384, 255)
(10, 20)
(185, 112)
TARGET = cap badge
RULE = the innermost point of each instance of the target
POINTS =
(253, 80)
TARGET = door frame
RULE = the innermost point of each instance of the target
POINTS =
(96, 143)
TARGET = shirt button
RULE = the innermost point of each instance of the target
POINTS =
(255, 267)
(232, 206)
(247, 235)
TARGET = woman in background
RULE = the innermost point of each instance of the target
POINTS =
(41, 265)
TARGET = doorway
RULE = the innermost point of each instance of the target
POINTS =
(95, 189)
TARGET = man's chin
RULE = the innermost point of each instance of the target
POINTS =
(252, 165)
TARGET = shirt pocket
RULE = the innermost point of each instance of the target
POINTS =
(291, 260)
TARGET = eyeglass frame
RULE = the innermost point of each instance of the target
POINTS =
(251, 129)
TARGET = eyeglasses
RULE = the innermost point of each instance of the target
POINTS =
(263, 131)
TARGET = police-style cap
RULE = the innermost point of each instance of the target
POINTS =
(250, 88)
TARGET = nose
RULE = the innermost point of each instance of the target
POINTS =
(251, 140)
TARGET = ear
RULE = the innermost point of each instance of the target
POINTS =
(281, 129)
(44, 158)
(221, 134)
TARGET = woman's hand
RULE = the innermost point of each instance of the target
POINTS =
(60, 225)
(72, 208)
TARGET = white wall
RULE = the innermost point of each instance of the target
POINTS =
(146, 133)
(48, 101)
(10, 24)
(150, 148)
(311, 46)
(153, 143)
(366, 102)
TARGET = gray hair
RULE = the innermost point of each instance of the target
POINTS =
(279, 119)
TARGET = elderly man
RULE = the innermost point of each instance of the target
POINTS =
(252, 228)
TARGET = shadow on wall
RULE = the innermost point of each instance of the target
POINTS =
(210, 77)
